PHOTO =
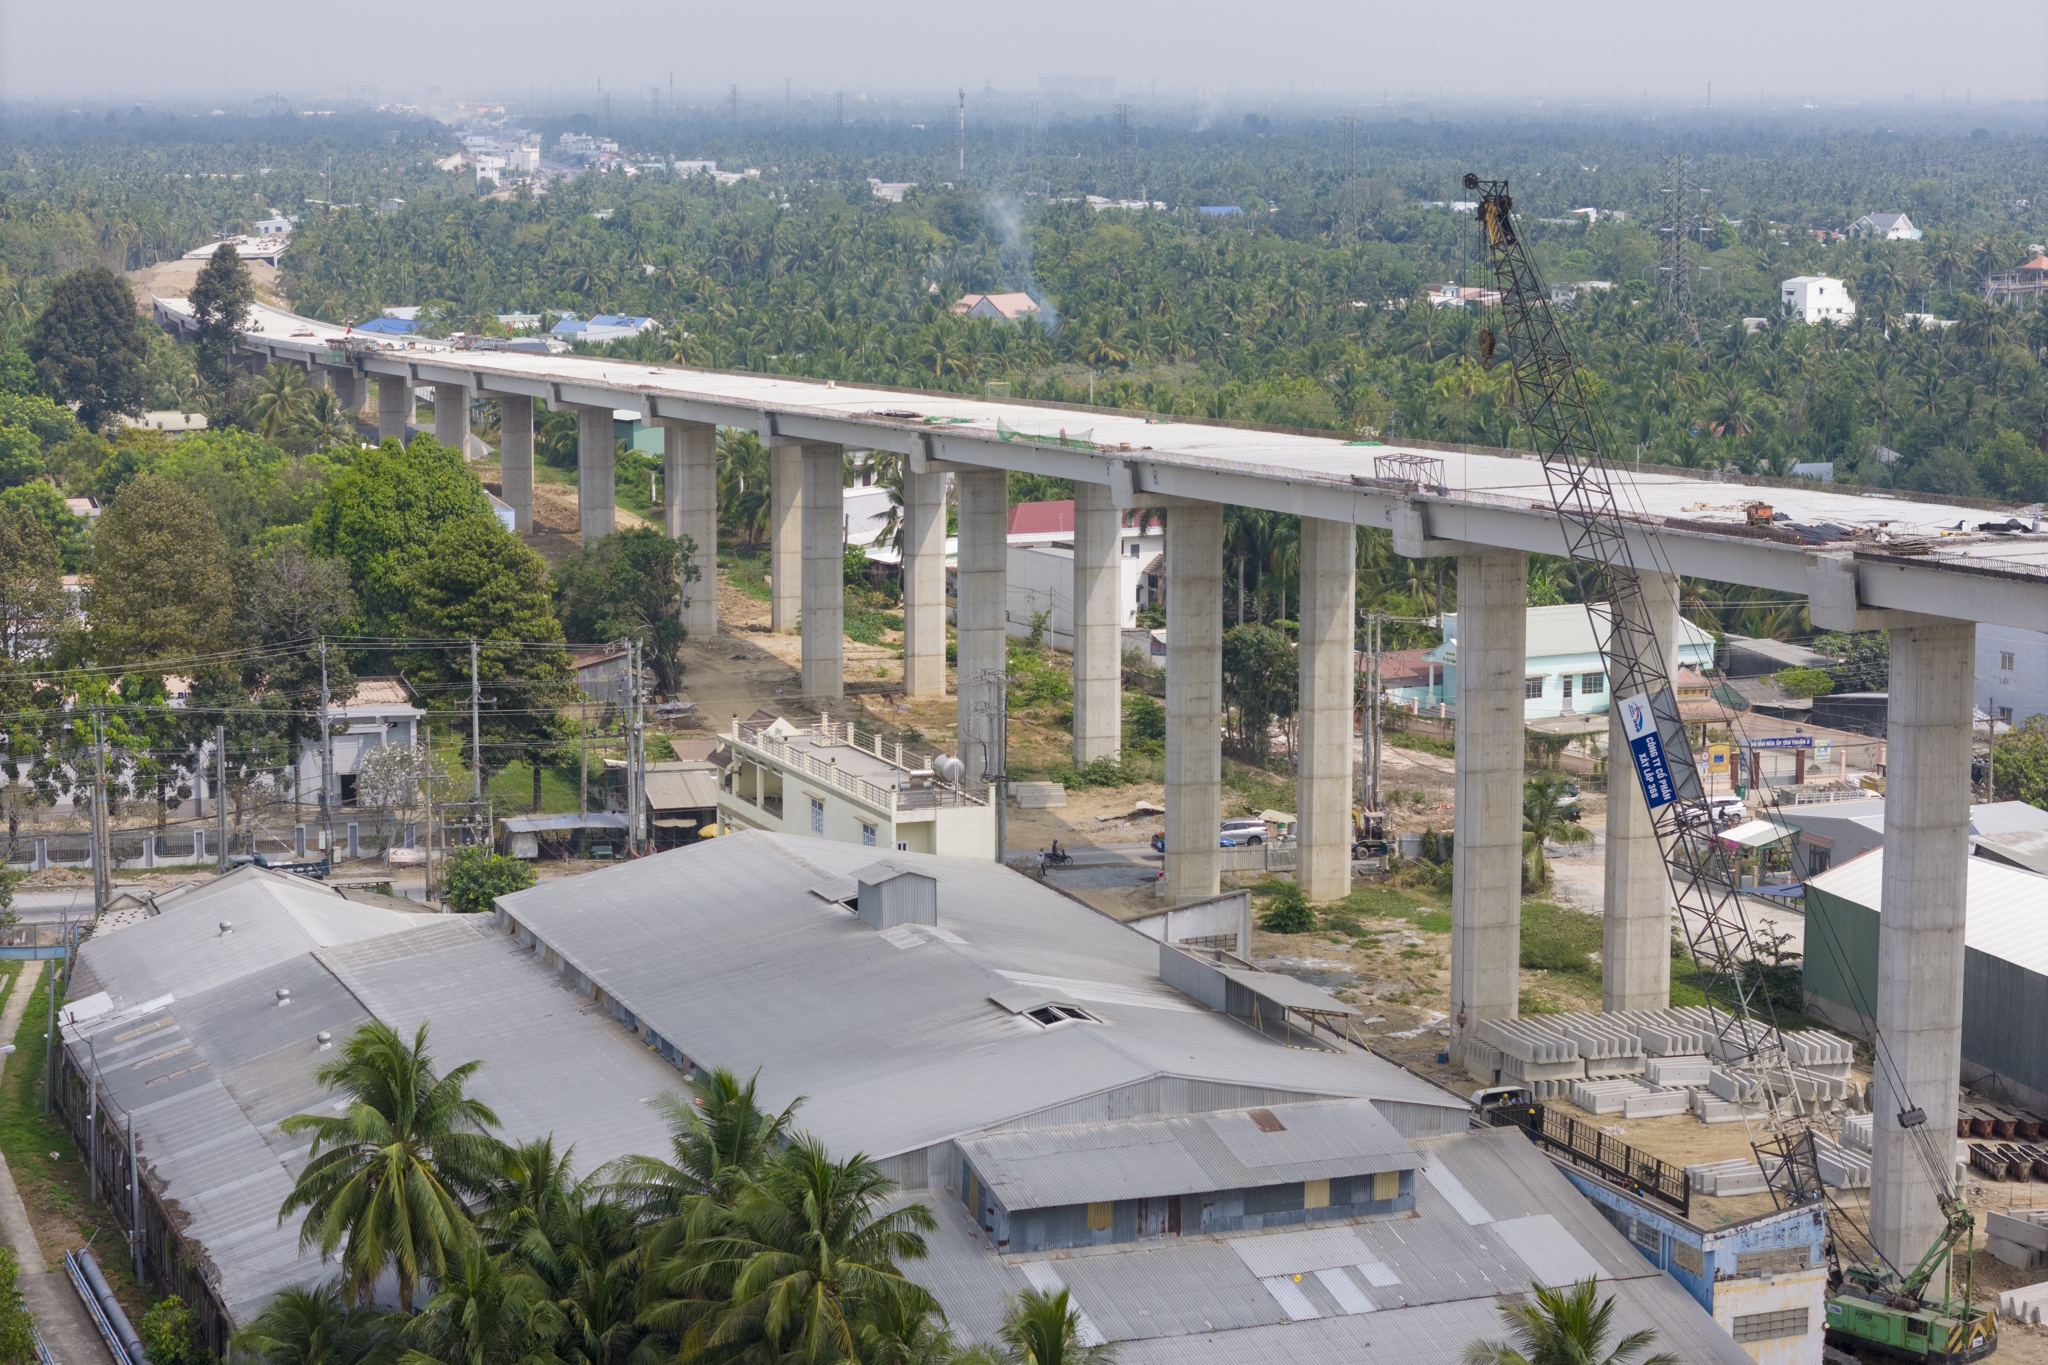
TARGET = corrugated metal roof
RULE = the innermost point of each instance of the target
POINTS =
(683, 789)
(2006, 915)
(211, 1071)
(1418, 1288)
(1146, 1158)
(895, 1048)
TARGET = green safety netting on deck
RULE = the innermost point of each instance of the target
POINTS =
(1078, 440)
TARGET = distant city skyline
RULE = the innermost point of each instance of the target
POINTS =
(120, 51)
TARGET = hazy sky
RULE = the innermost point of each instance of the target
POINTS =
(93, 50)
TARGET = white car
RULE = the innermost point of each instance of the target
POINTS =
(1245, 831)
(1720, 811)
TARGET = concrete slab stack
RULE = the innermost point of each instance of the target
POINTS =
(2018, 1237)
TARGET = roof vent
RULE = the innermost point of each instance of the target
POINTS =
(891, 895)
(227, 926)
(324, 1039)
(284, 997)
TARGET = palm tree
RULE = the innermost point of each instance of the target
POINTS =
(1045, 1329)
(1542, 822)
(487, 1311)
(1565, 1327)
(315, 1325)
(387, 1177)
(803, 1261)
(281, 402)
(718, 1140)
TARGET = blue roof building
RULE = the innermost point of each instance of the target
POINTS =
(397, 327)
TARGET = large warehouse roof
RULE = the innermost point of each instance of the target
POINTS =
(891, 1038)
(2004, 906)
(191, 1037)
(1491, 1215)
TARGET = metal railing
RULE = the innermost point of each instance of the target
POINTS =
(762, 746)
(1632, 1168)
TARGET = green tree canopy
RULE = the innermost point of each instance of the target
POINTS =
(382, 513)
(478, 581)
(89, 345)
(220, 300)
(475, 877)
(1565, 1327)
(162, 582)
(632, 584)
(21, 456)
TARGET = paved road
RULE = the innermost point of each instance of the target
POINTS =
(1098, 867)
(67, 1329)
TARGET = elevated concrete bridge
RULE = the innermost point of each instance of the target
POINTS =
(1928, 570)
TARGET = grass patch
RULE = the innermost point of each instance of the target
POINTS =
(746, 573)
(511, 791)
(867, 626)
(53, 1188)
(1558, 939)
(1689, 987)
(1257, 788)
(1422, 744)
(1536, 1002)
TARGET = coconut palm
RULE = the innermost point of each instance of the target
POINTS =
(1565, 1327)
(803, 1261)
(387, 1177)
(282, 401)
(488, 1311)
(1543, 822)
(315, 1325)
(717, 1140)
(1045, 1329)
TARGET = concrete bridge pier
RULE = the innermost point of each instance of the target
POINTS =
(347, 387)
(1194, 699)
(394, 407)
(515, 457)
(1635, 948)
(824, 572)
(597, 492)
(1920, 934)
(1328, 661)
(982, 580)
(1098, 640)
(924, 583)
(785, 537)
(1486, 857)
(689, 496)
(451, 417)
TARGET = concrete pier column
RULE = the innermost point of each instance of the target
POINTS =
(924, 584)
(824, 572)
(1098, 622)
(451, 417)
(1328, 660)
(515, 457)
(1194, 701)
(982, 584)
(1486, 857)
(347, 386)
(689, 496)
(597, 491)
(1920, 933)
(785, 538)
(394, 407)
(1635, 949)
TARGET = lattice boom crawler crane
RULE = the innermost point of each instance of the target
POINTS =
(1873, 1305)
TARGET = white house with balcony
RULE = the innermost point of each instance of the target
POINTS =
(833, 780)
(380, 711)
(1817, 298)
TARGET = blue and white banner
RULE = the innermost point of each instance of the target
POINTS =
(1639, 723)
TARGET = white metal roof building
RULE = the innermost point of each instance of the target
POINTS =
(2005, 961)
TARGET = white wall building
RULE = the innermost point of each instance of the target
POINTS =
(1042, 569)
(381, 711)
(2012, 673)
(835, 781)
(1893, 227)
(1817, 298)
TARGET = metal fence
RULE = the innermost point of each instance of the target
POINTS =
(1584, 1145)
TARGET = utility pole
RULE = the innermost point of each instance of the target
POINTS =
(1991, 748)
(53, 1046)
(135, 1201)
(327, 783)
(427, 800)
(583, 747)
(476, 741)
(635, 753)
(996, 754)
(100, 836)
(220, 793)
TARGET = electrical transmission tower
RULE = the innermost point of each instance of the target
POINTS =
(1675, 265)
